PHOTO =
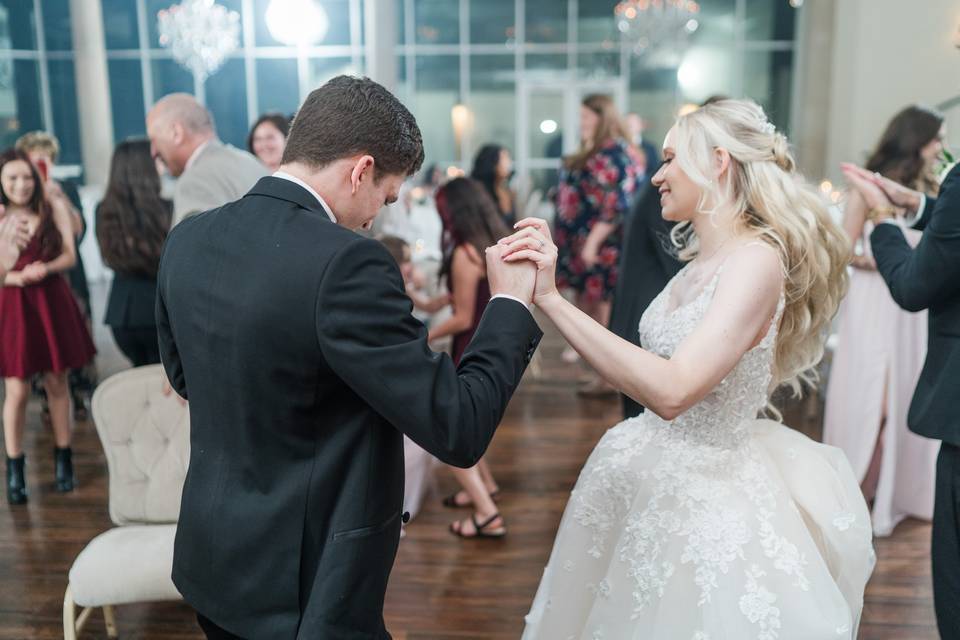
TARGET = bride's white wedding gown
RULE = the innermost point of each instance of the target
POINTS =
(714, 526)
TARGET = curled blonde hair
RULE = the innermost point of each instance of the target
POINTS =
(778, 207)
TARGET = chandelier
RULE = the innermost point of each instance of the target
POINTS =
(659, 27)
(200, 34)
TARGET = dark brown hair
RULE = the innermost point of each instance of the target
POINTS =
(609, 128)
(349, 116)
(897, 155)
(485, 170)
(470, 216)
(397, 247)
(132, 219)
(51, 242)
(278, 120)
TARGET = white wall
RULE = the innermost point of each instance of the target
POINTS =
(888, 54)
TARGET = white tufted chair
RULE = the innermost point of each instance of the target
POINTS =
(146, 439)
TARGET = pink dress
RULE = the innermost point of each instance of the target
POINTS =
(881, 348)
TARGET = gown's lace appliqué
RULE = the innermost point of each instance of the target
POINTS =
(682, 528)
(703, 444)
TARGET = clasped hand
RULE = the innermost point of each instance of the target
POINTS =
(529, 257)
(883, 196)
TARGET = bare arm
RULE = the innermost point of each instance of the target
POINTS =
(466, 273)
(740, 313)
(854, 218)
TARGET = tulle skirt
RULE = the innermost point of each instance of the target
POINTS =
(669, 539)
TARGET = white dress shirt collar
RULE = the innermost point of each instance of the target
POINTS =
(283, 175)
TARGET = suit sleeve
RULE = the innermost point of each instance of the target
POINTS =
(169, 354)
(370, 339)
(918, 278)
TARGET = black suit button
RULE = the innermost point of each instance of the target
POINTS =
(405, 517)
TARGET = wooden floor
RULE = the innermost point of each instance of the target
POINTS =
(441, 587)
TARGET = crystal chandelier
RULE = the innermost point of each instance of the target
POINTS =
(659, 27)
(200, 34)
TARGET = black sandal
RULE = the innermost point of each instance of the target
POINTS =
(479, 528)
(451, 500)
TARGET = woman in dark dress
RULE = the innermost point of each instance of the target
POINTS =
(132, 224)
(596, 189)
(492, 168)
(41, 328)
(471, 223)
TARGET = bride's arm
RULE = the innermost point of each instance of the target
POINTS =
(739, 315)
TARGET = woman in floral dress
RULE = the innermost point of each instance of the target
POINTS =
(596, 188)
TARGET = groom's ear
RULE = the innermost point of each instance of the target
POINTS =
(363, 170)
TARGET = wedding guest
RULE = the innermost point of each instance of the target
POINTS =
(596, 187)
(881, 347)
(492, 167)
(132, 224)
(41, 328)
(471, 223)
(267, 139)
(400, 251)
(43, 150)
(928, 277)
(209, 173)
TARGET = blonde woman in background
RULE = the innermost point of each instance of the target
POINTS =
(697, 520)
(881, 347)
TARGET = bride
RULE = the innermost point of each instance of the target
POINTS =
(697, 520)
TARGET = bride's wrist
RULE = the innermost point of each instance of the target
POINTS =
(548, 301)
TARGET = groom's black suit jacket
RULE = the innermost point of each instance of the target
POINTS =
(928, 277)
(292, 339)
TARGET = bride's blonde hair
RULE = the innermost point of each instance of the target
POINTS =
(778, 207)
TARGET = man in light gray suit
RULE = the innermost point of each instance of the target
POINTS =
(209, 173)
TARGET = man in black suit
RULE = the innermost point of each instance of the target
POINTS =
(928, 277)
(292, 339)
(647, 263)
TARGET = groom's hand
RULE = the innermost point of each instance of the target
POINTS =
(511, 279)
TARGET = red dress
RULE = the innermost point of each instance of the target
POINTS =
(41, 328)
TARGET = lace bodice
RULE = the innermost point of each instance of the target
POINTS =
(718, 418)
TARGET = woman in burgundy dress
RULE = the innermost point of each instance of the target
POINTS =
(471, 223)
(41, 328)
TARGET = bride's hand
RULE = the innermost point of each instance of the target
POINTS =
(532, 241)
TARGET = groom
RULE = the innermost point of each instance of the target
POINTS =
(292, 339)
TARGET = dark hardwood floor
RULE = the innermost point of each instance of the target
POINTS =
(441, 587)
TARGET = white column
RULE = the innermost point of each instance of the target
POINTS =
(93, 89)
(380, 33)
(810, 103)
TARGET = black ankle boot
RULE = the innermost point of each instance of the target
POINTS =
(63, 464)
(16, 486)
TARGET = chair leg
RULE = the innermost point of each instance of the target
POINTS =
(110, 621)
(69, 617)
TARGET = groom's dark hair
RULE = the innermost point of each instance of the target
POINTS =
(349, 116)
